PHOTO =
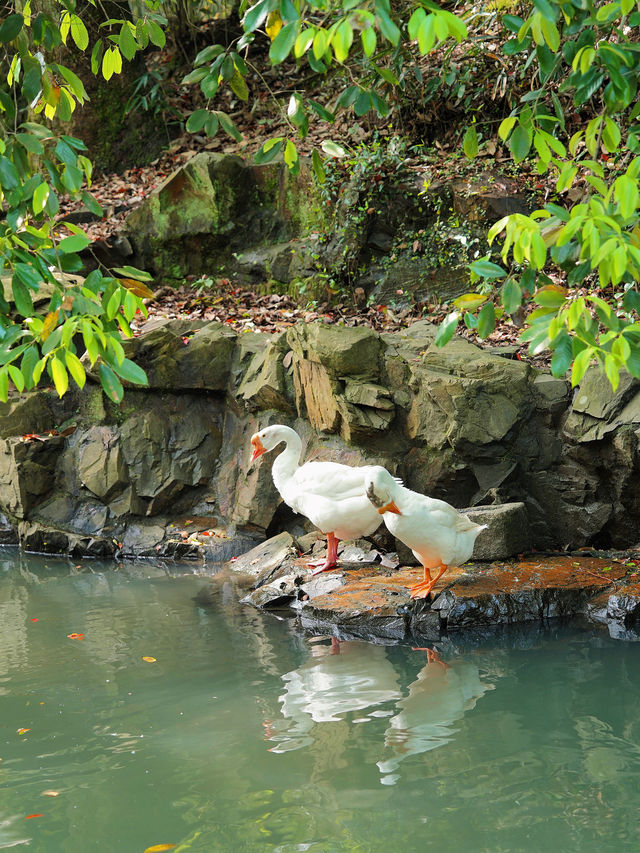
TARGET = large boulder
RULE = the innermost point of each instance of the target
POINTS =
(215, 207)
(178, 358)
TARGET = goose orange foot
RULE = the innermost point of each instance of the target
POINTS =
(331, 561)
(424, 588)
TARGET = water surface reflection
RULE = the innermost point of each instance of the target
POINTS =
(246, 734)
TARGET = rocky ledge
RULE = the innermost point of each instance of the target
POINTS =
(368, 596)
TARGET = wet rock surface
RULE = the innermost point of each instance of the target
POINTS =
(373, 601)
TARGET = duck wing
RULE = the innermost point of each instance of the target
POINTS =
(331, 480)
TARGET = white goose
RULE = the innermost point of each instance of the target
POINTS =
(436, 532)
(331, 495)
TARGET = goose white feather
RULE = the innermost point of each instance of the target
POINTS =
(436, 532)
(331, 495)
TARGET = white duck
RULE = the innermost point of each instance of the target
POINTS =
(436, 532)
(331, 495)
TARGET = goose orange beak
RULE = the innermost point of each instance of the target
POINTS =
(390, 507)
(258, 448)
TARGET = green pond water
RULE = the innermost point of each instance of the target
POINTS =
(246, 734)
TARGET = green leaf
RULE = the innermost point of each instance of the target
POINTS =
(562, 354)
(255, 16)
(96, 56)
(318, 166)
(627, 195)
(110, 383)
(156, 34)
(611, 135)
(369, 41)
(506, 126)
(79, 34)
(511, 296)
(28, 363)
(321, 111)
(29, 275)
(11, 27)
(4, 384)
(133, 272)
(75, 243)
(469, 301)
(196, 120)
(59, 375)
(486, 320)
(283, 43)
(388, 28)
(550, 296)
(239, 86)
(40, 196)
(131, 372)
(30, 142)
(363, 103)
(113, 305)
(545, 8)
(75, 368)
(9, 177)
(290, 154)
(447, 329)
(228, 126)
(519, 143)
(21, 297)
(16, 377)
(487, 269)
(268, 151)
(92, 203)
(342, 40)
(612, 370)
(126, 42)
(581, 365)
(470, 142)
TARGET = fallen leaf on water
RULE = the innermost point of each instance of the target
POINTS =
(75, 636)
(33, 620)
(22, 731)
(149, 659)
(29, 816)
(157, 848)
(51, 793)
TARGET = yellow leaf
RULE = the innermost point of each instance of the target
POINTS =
(50, 322)
(157, 848)
(149, 660)
(136, 287)
(51, 793)
(274, 24)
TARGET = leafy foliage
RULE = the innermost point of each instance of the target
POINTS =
(584, 61)
(44, 311)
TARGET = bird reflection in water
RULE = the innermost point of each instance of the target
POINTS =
(339, 678)
(440, 695)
